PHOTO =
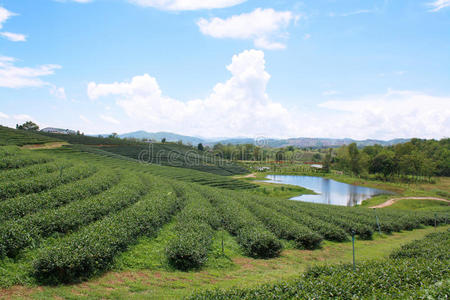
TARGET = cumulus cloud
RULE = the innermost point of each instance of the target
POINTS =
(3, 116)
(12, 76)
(261, 26)
(439, 4)
(178, 5)
(394, 114)
(241, 106)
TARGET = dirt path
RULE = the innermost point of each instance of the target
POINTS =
(393, 200)
(51, 145)
(253, 175)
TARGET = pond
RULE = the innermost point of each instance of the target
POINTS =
(328, 191)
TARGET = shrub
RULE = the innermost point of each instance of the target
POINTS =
(92, 249)
(249, 231)
(194, 232)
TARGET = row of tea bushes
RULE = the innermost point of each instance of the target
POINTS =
(92, 249)
(33, 170)
(327, 230)
(284, 227)
(44, 182)
(22, 160)
(18, 234)
(414, 272)
(194, 232)
(18, 207)
(250, 233)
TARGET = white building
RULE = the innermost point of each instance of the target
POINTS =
(58, 130)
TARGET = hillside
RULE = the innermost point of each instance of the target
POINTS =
(68, 216)
(175, 155)
(10, 136)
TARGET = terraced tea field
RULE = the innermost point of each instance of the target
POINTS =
(65, 215)
(9, 136)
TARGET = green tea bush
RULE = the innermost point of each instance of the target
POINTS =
(43, 182)
(194, 232)
(284, 227)
(19, 161)
(327, 230)
(250, 233)
(434, 246)
(92, 249)
(410, 274)
(15, 235)
(33, 170)
(20, 206)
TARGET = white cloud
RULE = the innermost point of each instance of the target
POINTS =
(238, 105)
(261, 26)
(439, 4)
(12, 76)
(241, 106)
(109, 119)
(394, 114)
(5, 15)
(307, 36)
(14, 37)
(352, 13)
(3, 116)
(178, 5)
(58, 92)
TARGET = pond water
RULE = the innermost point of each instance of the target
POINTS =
(328, 191)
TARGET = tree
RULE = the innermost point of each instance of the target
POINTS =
(28, 125)
(326, 165)
(383, 163)
(354, 158)
(114, 135)
(200, 147)
(163, 140)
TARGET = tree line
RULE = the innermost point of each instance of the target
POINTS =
(417, 158)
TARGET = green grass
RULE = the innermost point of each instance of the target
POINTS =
(431, 205)
(281, 191)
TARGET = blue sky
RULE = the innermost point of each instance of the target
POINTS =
(324, 68)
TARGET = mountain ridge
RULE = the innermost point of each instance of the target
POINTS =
(300, 142)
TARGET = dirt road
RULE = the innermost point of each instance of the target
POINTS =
(393, 200)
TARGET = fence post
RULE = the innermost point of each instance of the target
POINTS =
(223, 249)
(353, 246)
(378, 221)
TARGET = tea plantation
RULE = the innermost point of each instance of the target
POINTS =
(419, 270)
(65, 214)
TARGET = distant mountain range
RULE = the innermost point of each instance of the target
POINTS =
(276, 143)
